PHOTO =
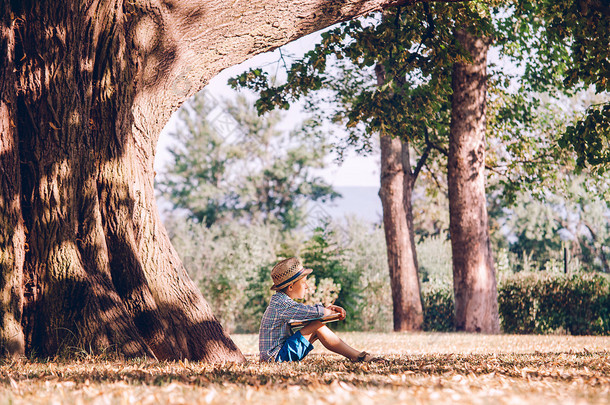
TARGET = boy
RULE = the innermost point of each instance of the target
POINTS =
(276, 343)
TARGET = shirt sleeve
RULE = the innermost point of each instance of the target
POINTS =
(302, 312)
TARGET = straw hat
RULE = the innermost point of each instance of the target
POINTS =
(288, 271)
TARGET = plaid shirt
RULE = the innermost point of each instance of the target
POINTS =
(274, 326)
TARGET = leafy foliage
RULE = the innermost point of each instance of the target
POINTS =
(567, 42)
(412, 49)
(571, 214)
(578, 304)
(230, 264)
(439, 308)
(435, 265)
(555, 46)
(365, 254)
(326, 257)
(535, 302)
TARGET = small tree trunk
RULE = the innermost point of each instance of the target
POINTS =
(402, 261)
(476, 307)
(396, 194)
(409, 179)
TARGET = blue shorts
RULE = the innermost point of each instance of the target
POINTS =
(294, 349)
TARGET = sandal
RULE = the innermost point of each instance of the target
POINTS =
(362, 357)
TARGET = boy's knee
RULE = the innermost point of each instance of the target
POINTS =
(311, 328)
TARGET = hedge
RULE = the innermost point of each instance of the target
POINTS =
(578, 304)
(438, 309)
(538, 303)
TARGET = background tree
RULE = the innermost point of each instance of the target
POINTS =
(540, 202)
(248, 170)
(86, 89)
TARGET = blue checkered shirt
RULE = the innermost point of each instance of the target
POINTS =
(274, 326)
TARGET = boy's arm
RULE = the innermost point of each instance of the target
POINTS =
(330, 314)
(298, 311)
(328, 311)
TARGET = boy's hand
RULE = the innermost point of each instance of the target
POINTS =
(338, 310)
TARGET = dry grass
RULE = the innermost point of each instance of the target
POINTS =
(420, 368)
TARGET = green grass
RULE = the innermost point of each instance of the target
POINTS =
(421, 368)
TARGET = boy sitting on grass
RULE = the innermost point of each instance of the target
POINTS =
(276, 343)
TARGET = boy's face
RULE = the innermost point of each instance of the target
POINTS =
(298, 289)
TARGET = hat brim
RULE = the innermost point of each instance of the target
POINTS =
(297, 277)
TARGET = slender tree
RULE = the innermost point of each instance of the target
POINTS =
(399, 107)
(87, 87)
(414, 53)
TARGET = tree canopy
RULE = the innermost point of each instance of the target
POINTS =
(565, 45)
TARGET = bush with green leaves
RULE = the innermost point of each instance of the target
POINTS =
(535, 302)
(365, 254)
(439, 308)
(542, 302)
(324, 254)
(436, 275)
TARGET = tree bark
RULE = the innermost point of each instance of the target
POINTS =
(409, 179)
(396, 194)
(12, 231)
(476, 308)
(87, 87)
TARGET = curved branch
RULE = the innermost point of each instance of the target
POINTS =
(183, 44)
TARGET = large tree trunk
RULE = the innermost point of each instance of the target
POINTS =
(474, 279)
(87, 87)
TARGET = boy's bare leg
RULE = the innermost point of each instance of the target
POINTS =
(319, 331)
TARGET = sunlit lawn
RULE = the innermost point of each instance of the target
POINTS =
(420, 368)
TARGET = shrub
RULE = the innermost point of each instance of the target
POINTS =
(438, 308)
(231, 264)
(542, 302)
(435, 268)
(537, 303)
(325, 291)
